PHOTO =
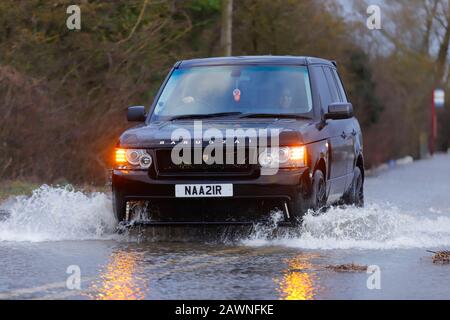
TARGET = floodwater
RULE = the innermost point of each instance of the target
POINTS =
(47, 239)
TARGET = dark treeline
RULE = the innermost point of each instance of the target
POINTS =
(63, 93)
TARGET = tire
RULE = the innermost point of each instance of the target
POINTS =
(301, 204)
(355, 195)
(318, 191)
(119, 206)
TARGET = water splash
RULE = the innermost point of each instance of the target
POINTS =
(57, 213)
(373, 227)
(62, 213)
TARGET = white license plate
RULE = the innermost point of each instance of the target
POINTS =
(203, 190)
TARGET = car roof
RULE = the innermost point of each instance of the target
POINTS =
(253, 60)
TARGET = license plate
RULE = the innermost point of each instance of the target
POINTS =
(203, 190)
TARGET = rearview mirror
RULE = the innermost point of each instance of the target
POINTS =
(136, 113)
(339, 110)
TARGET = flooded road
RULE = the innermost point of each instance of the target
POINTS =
(407, 212)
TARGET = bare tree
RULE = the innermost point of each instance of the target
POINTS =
(430, 7)
(226, 39)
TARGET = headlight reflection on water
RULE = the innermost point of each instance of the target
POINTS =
(298, 282)
(120, 279)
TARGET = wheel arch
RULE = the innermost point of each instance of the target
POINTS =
(321, 165)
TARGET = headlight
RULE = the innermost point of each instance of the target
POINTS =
(283, 157)
(133, 159)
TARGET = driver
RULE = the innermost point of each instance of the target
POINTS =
(286, 99)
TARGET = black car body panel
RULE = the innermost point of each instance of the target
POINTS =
(333, 146)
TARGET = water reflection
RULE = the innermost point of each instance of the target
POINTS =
(299, 281)
(121, 278)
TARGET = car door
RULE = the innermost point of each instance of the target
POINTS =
(345, 129)
(351, 130)
(338, 149)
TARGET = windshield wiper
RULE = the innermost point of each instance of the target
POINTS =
(274, 115)
(204, 116)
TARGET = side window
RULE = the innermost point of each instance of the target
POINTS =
(340, 86)
(332, 83)
(322, 87)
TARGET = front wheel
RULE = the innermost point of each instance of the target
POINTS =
(319, 191)
(355, 195)
(300, 205)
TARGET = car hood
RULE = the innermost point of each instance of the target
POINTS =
(159, 134)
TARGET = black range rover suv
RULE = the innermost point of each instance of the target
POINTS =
(228, 140)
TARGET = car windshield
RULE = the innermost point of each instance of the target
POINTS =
(224, 91)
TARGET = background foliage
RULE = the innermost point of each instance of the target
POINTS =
(63, 93)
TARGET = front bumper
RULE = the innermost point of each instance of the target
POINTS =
(253, 199)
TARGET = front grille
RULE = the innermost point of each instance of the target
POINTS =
(243, 168)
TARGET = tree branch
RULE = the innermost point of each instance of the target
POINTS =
(141, 14)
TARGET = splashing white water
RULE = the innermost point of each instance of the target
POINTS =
(57, 213)
(373, 227)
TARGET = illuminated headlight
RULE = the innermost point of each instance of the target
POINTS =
(283, 157)
(133, 159)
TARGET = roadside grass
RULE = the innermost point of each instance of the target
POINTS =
(11, 188)
(16, 187)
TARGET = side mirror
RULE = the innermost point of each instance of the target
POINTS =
(136, 114)
(339, 110)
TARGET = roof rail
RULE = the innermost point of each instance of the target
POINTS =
(334, 63)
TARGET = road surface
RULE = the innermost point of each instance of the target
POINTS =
(56, 234)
